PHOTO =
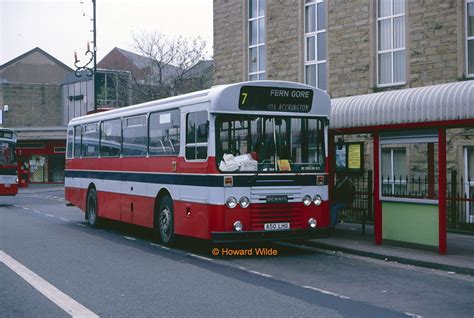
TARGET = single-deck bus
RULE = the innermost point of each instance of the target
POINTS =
(239, 162)
(8, 164)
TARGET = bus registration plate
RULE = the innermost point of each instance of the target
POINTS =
(276, 226)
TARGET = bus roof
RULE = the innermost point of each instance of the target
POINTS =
(295, 99)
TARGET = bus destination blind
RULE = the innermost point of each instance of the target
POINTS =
(276, 99)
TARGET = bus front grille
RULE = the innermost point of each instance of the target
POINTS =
(275, 213)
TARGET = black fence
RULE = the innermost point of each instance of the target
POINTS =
(361, 210)
(412, 187)
(460, 195)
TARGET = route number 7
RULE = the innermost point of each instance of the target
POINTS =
(244, 95)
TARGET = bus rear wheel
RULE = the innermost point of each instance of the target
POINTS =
(91, 208)
(164, 223)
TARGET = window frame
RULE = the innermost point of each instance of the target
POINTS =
(70, 145)
(196, 144)
(259, 45)
(392, 182)
(119, 119)
(175, 154)
(467, 39)
(315, 34)
(392, 50)
(125, 126)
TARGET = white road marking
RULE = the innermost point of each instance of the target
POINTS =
(254, 272)
(62, 300)
(413, 315)
(326, 292)
(63, 219)
(200, 257)
(80, 224)
(258, 273)
(129, 238)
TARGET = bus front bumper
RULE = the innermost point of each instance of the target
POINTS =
(259, 236)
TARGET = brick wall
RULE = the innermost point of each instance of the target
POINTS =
(349, 48)
(433, 44)
(283, 40)
(32, 105)
(228, 41)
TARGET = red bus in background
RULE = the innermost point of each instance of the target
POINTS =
(239, 162)
(8, 164)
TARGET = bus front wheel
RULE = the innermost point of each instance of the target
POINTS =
(164, 225)
(91, 208)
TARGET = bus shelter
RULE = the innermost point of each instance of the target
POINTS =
(407, 148)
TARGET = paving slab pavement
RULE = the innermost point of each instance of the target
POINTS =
(347, 238)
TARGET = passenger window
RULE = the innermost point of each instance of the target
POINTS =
(134, 136)
(111, 138)
(70, 143)
(90, 140)
(77, 141)
(197, 126)
(164, 133)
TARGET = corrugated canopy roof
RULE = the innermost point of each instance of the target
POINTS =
(451, 101)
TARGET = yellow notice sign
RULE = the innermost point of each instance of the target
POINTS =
(284, 165)
(354, 158)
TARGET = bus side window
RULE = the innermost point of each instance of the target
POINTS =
(111, 138)
(164, 133)
(70, 143)
(90, 140)
(77, 141)
(197, 131)
(134, 132)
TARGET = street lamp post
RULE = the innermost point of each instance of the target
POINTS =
(90, 71)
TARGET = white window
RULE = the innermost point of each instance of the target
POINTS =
(470, 38)
(257, 51)
(393, 171)
(391, 55)
(315, 43)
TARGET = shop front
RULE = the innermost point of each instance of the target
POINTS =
(41, 161)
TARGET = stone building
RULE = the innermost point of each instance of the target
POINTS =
(30, 97)
(359, 51)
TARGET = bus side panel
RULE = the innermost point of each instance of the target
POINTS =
(11, 189)
(109, 205)
(192, 219)
(108, 189)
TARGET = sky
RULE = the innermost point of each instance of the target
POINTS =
(61, 27)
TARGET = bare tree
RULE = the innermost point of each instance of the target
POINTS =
(172, 66)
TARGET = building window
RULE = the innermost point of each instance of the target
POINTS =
(391, 60)
(315, 43)
(470, 38)
(257, 51)
(393, 171)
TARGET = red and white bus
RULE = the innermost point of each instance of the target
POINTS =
(240, 162)
(8, 164)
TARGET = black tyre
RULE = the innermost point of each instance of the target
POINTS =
(92, 212)
(164, 221)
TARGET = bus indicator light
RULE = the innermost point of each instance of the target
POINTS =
(228, 181)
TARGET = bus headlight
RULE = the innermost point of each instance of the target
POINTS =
(306, 200)
(244, 202)
(238, 226)
(231, 202)
(312, 223)
(317, 200)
